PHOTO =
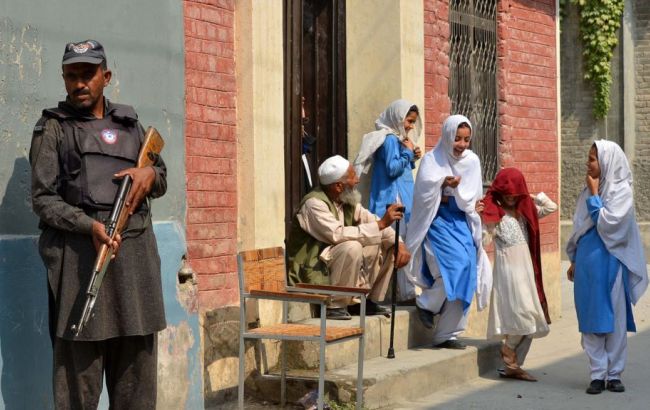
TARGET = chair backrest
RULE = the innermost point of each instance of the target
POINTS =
(262, 269)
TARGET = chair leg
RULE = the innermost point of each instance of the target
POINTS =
(362, 342)
(242, 370)
(283, 373)
(321, 367)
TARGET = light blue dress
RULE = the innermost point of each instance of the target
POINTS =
(594, 277)
(392, 176)
(453, 245)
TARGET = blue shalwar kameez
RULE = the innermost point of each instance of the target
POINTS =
(602, 302)
(392, 177)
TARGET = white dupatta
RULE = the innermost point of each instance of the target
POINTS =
(617, 225)
(391, 121)
(435, 166)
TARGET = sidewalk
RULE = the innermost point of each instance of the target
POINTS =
(562, 369)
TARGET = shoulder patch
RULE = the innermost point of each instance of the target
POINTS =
(40, 125)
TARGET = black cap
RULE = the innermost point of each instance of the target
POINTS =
(89, 51)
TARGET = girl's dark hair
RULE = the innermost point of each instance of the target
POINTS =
(414, 108)
(464, 125)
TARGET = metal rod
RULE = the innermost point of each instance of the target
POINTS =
(393, 299)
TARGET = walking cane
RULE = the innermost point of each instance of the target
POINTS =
(393, 299)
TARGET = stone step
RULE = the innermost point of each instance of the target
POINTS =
(409, 332)
(413, 373)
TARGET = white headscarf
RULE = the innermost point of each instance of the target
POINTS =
(617, 225)
(436, 165)
(391, 121)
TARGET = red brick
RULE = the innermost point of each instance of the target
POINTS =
(211, 282)
(209, 165)
(211, 182)
(212, 299)
(210, 248)
(210, 215)
(535, 38)
(205, 199)
(207, 231)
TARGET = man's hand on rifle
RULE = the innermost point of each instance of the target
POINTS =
(100, 238)
(143, 180)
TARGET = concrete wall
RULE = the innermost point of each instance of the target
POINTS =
(144, 46)
(384, 51)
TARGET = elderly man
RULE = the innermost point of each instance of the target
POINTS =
(334, 240)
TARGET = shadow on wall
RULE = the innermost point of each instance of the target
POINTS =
(25, 347)
(16, 216)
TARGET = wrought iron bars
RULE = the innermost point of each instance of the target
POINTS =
(473, 75)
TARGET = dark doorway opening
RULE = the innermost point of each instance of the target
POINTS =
(314, 56)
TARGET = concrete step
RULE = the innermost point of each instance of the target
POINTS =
(413, 373)
(409, 333)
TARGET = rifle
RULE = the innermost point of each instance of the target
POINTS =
(151, 148)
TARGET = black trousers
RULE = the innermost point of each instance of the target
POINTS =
(130, 366)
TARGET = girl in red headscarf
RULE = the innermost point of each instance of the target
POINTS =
(518, 310)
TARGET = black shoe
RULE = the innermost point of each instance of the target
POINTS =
(425, 316)
(596, 386)
(616, 386)
(338, 314)
(451, 344)
(372, 309)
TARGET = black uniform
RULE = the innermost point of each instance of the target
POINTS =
(74, 156)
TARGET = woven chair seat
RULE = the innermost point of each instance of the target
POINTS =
(295, 329)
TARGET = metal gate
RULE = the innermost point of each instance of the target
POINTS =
(473, 75)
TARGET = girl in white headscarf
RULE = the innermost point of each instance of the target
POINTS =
(608, 265)
(392, 152)
(444, 234)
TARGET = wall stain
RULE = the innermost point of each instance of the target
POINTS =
(174, 344)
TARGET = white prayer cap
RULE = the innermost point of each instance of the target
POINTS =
(333, 169)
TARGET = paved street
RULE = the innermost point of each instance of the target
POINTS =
(562, 369)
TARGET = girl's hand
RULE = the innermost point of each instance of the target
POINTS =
(417, 153)
(592, 184)
(571, 271)
(408, 143)
(479, 206)
(451, 182)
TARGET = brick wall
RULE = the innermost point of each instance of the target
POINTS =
(436, 68)
(579, 128)
(527, 99)
(527, 91)
(641, 162)
(211, 149)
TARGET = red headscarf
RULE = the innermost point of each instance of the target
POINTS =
(510, 181)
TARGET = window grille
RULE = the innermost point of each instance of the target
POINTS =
(472, 71)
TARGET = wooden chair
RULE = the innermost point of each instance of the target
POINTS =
(262, 275)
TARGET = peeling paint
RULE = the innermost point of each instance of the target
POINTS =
(174, 346)
(21, 68)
